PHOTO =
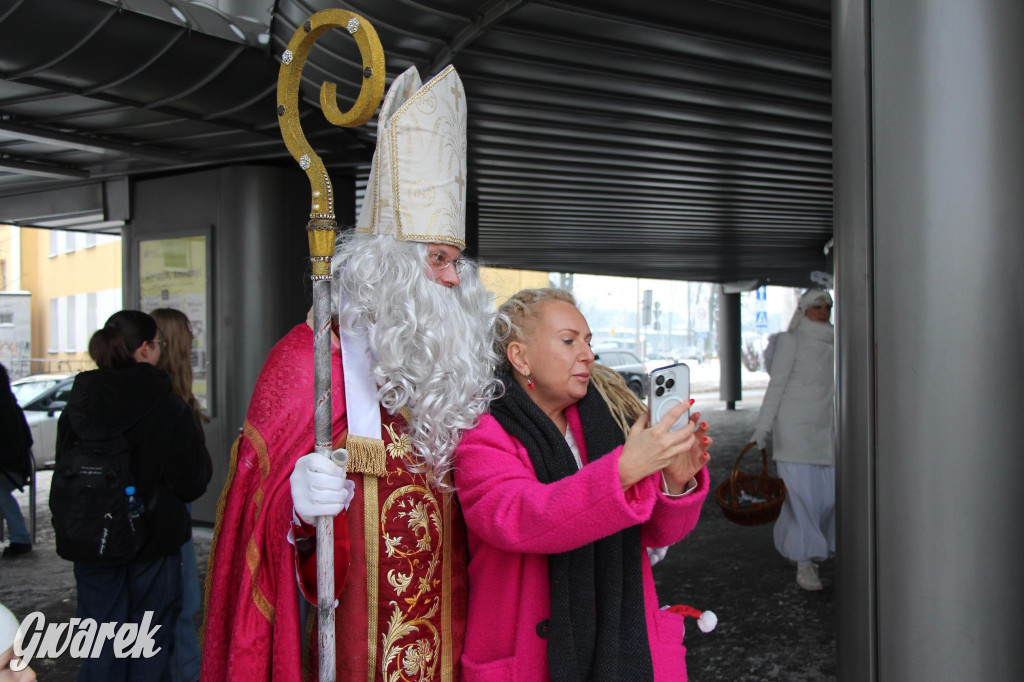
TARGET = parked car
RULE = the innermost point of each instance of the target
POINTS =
(661, 356)
(657, 360)
(689, 354)
(627, 364)
(43, 397)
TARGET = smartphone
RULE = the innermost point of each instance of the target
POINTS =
(669, 386)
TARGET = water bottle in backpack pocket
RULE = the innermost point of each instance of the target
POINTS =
(96, 520)
(135, 507)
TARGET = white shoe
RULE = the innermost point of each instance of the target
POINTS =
(807, 577)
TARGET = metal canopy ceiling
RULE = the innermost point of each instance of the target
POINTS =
(679, 140)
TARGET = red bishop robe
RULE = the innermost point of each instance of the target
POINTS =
(402, 606)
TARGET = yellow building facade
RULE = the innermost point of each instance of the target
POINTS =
(75, 283)
(504, 283)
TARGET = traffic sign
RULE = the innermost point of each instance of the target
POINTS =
(702, 323)
(762, 319)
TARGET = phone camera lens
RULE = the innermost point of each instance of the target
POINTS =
(660, 391)
(670, 383)
(660, 380)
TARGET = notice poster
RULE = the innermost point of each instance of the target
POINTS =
(174, 273)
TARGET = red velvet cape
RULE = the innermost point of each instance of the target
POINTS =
(406, 587)
(251, 628)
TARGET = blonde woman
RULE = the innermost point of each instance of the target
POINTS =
(561, 504)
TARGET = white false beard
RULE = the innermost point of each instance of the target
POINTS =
(430, 344)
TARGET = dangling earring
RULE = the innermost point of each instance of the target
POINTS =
(529, 383)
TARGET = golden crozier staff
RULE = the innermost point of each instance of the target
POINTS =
(322, 230)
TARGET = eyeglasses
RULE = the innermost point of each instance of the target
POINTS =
(439, 262)
(162, 342)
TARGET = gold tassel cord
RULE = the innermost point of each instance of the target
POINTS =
(366, 455)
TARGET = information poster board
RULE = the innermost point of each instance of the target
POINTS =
(175, 273)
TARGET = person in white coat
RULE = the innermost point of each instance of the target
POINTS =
(798, 412)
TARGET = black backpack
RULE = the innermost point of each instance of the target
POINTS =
(91, 519)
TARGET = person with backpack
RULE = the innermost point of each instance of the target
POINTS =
(15, 466)
(128, 459)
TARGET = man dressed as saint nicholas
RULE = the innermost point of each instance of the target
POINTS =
(411, 371)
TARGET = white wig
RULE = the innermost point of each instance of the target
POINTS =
(430, 344)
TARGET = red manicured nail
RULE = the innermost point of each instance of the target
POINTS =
(704, 439)
(703, 425)
(691, 401)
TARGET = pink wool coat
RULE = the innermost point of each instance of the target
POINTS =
(514, 521)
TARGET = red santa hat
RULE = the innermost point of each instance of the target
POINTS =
(706, 620)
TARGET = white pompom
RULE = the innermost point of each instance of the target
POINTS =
(707, 621)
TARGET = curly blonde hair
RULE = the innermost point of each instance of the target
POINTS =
(514, 322)
(514, 318)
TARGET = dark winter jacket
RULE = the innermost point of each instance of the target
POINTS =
(15, 441)
(170, 464)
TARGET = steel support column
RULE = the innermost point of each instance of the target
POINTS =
(930, 161)
(729, 348)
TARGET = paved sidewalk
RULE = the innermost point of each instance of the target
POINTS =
(769, 629)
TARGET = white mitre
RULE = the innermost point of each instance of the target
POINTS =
(417, 186)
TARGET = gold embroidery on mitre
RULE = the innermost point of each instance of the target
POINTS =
(417, 186)
(376, 207)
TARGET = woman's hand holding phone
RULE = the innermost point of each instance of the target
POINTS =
(683, 468)
(649, 450)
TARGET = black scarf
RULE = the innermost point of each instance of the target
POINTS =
(598, 629)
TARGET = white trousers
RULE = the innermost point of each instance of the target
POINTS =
(806, 528)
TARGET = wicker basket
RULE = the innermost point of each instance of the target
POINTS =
(751, 500)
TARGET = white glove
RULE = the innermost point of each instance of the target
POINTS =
(319, 486)
(761, 438)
